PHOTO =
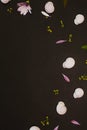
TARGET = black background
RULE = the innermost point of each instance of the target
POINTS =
(31, 66)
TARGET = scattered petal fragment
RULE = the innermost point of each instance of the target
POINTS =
(45, 14)
(56, 128)
(66, 78)
(21, 4)
(61, 41)
(75, 122)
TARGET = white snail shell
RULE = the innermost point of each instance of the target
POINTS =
(5, 1)
(79, 19)
(69, 63)
(78, 93)
(49, 7)
(61, 108)
(34, 128)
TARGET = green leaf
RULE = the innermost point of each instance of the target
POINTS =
(84, 47)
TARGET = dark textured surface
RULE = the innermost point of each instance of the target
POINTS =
(30, 67)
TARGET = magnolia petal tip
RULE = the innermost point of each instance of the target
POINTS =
(61, 41)
(56, 128)
(66, 78)
(75, 122)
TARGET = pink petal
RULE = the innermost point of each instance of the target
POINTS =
(61, 41)
(75, 122)
(45, 14)
(21, 4)
(56, 128)
(66, 78)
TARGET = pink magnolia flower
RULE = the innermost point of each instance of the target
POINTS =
(24, 8)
